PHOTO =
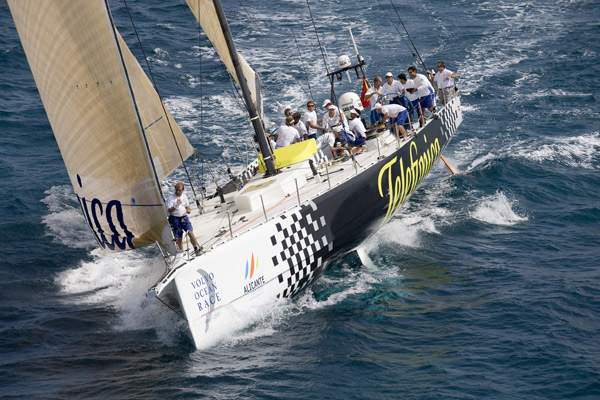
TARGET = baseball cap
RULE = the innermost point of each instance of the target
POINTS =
(326, 102)
(332, 107)
(389, 74)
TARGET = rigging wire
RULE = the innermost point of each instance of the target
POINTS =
(161, 101)
(317, 35)
(303, 66)
(278, 54)
(397, 30)
(234, 90)
(408, 35)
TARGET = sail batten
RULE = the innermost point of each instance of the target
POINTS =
(85, 75)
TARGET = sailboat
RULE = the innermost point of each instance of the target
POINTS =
(267, 234)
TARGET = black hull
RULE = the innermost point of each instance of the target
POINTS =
(356, 209)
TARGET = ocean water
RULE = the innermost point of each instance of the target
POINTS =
(486, 285)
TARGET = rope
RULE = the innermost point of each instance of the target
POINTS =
(303, 65)
(264, 33)
(397, 30)
(161, 101)
(408, 34)
(317, 35)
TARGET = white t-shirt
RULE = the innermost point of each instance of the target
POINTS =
(325, 140)
(301, 128)
(440, 79)
(357, 127)
(373, 99)
(423, 91)
(412, 96)
(395, 87)
(310, 116)
(330, 122)
(180, 209)
(286, 135)
(421, 79)
(392, 109)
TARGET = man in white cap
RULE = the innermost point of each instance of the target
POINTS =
(392, 89)
(333, 117)
(286, 134)
(397, 115)
(357, 129)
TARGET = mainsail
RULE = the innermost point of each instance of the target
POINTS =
(85, 75)
(205, 13)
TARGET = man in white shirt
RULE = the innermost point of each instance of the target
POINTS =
(299, 126)
(286, 134)
(412, 95)
(392, 89)
(426, 96)
(357, 135)
(310, 120)
(333, 117)
(397, 115)
(373, 94)
(444, 80)
(288, 113)
(178, 207)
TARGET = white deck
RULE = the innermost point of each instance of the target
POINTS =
(279, 193)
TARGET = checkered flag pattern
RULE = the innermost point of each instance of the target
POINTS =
(322, 156)
(450, 118)
(301, 242)
(248, 172)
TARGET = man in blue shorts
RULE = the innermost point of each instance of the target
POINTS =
(397, 115)
(178, 208)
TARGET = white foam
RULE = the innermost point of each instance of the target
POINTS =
(497, 210)
(120, 281)
(580, 151)
(65, 222)
(266, 321)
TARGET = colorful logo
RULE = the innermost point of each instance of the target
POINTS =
(251, 268)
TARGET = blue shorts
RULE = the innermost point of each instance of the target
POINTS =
(400, 119)
(359, 141)
(427, 101)
(180, 224)
(312, 136)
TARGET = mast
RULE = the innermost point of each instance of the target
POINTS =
(265, 149)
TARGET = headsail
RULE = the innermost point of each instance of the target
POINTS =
(205, 13)
(76, 61)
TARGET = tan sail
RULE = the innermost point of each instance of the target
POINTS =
(204, 11)
(75, 60)
(164, 144)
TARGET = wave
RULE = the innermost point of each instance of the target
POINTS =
(65, 222)
(579, 151)
(497, 209)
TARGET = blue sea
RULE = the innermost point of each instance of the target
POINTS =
(485, 285)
